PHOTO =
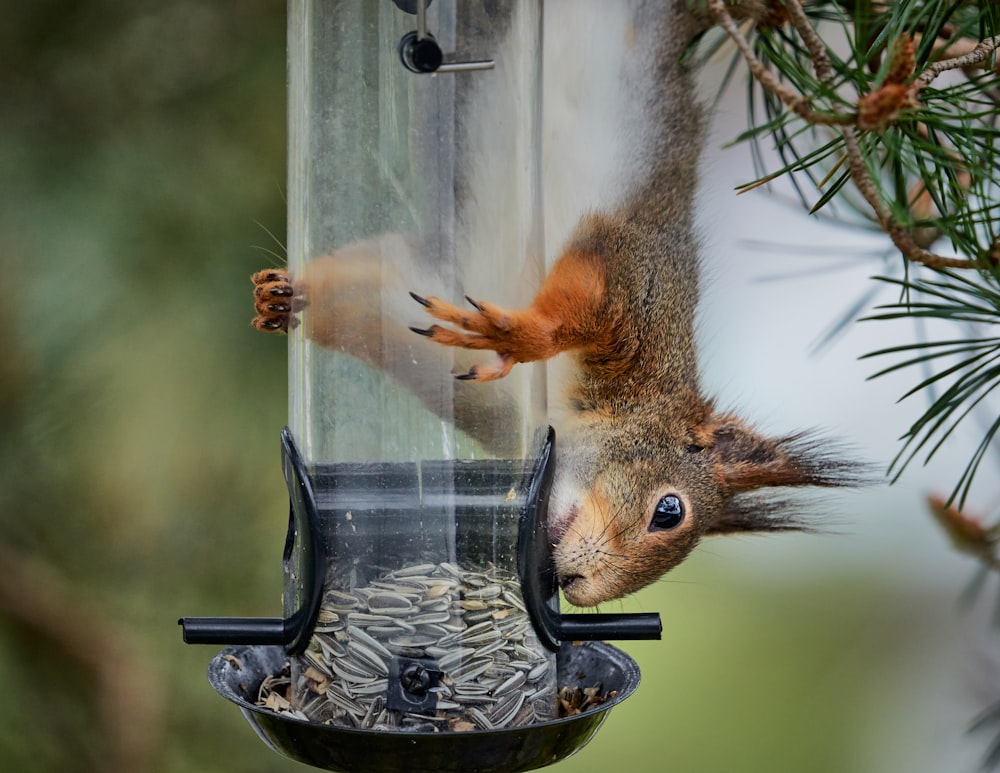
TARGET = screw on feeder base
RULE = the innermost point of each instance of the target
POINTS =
(411, 684)
(415, 679)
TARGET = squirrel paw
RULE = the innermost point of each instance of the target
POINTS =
(274, 301)
(514, 335)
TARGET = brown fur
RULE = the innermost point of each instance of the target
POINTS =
(621, 301)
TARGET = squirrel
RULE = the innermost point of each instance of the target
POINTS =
(647, 464)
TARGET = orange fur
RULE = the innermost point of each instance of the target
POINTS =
(561, 317)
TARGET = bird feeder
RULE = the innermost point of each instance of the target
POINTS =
(421, 626)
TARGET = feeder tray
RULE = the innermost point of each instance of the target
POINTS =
(265, 644)
(237, 673)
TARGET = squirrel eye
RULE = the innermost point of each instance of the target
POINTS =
(668, 513)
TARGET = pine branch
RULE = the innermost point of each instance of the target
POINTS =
(922, 157)
(977, 56)
(876, 110)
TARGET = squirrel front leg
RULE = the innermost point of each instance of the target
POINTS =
(570, 311)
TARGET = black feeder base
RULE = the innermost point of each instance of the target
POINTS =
(237, 672)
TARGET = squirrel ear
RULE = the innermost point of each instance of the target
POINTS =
(746, 460)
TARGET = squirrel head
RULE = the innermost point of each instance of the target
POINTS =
(631, 503)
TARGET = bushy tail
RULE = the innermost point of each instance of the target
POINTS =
(676, 123)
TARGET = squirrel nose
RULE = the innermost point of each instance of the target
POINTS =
(569, 580)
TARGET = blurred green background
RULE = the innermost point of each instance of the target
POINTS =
(142, 154)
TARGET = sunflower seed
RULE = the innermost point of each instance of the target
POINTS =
(338, 697)
(425, 618)
(368, 657)
(453, 657)
(506, 709)
(480, 719)
(375, 687)
(468, 672)
(514, 682)
(486, 592)
(390, 603)
(331, 648)
(359, 635)
(418, 569)
(336, 601)
(352, 671)
(363, 618)
(434, 605)
(536, 673)
(373, 712)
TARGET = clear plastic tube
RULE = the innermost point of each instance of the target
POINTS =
(401, 181)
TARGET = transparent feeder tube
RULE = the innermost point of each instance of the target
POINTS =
(400, 181)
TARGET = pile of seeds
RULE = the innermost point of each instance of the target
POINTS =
(490, 671)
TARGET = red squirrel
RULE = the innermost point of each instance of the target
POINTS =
(647, 465)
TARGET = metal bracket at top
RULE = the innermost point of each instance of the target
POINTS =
(420, 52)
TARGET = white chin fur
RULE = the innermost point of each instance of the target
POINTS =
(563, 507)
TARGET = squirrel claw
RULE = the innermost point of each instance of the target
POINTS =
(268, 325)
(429, 332)
(480, 373)
(274, 301)
(421, 300)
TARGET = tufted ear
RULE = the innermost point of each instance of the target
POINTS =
(745, 461)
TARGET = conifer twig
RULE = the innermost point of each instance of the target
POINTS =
(846, 123)
(797, 103)
(816, 47)
(976, 56)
